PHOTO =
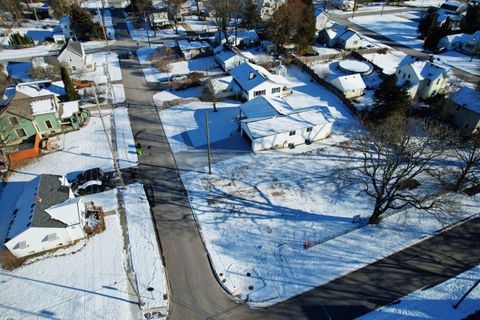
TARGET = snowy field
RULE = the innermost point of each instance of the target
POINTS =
(37, 51)
(145, 32)
(89, 284)
(436, 302)
(206, 65)
(144, 250)
(402, 28)
(200, 26)
(256, 211)
(257, 55)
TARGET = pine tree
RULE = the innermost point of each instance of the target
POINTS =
(428, 21)
(82, 25)
(390, 98)
(471, 21)
(71, 94)
(305, 35)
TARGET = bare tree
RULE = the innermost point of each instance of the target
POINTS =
(467, 167)
(226, 14)
(60, 8)
(174, 10)
(395, 154)
(14, 8)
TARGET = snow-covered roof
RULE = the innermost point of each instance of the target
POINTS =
(43, 106)
(225, 55)
(185, 45)
(350, 82)
(39, 88)
(468, 98)
(69, 108)
(240, 35)
(249, 76)
(349, 34)
(287, 123)
(36, 196)
(265, 107)
(219, 49)
(223, 83)
(67, 211)
(427, 70)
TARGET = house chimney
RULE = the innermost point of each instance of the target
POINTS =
(251, 76)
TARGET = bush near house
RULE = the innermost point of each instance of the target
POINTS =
(18, 40)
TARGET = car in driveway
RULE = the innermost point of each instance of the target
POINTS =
(90, 187)
(92, 181)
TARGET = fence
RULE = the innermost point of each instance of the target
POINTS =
(340, 55)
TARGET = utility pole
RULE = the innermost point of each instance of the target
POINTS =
(102, 22)
(114, 157)
(147, 28)
(208, 144)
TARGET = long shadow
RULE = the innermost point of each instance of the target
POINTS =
(68, 287)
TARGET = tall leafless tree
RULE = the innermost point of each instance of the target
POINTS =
(395, 154)
(226, 14)
(174, 10)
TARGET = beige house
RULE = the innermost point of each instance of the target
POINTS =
(423, 78)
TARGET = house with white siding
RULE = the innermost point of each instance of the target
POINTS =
(46, 216)
(350, 40)
(227, 59)
(271, 123)
(74, 57)
(423, 78)
(254, 80)
(351, 86)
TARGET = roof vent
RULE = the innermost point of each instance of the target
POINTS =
(251, 75)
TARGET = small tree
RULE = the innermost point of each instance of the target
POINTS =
(394, 155)
(390, 98)
(71, 94)
(225, 14)
(284, 23)
(305, 33)
(471, 21)
(82, 25)
(467, 169)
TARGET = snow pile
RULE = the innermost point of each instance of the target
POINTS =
(436, 302)
(145, 251)
(166, 96)
(126, 151)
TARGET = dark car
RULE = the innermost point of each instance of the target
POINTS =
(87, 175)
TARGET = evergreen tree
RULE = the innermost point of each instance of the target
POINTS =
(252, 17)
(82, 25)
(305, 34)
(71, 94)
(390, 98)
(428, 21)
(471, 21)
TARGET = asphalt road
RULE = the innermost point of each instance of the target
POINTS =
(193, 289)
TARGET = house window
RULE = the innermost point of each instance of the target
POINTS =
(438, 81)
(70, 59)
(399, 72)
(434, 92)
(275, 90)
(21, 133)
(355, 42)
(48, 123)
(309, 129)
(428, 83)
(404, 75)
(408, 77)
(14, 121)
(291, 133)
(260, 93)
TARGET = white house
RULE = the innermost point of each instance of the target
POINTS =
(227, 59)
(351, 85)
(424, 78)
(465, 110)
(350, 40)
(467, 43)
(239, 38)
(46, 216)
(256, 81)
(73, 56)
(321, 21)
(194, 49)
(222, 87)
(286, 131)
(331, 33)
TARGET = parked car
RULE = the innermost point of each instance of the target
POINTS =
(178, 77)
(87, 175)
(90, 187)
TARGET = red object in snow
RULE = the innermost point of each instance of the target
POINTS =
(307, 244)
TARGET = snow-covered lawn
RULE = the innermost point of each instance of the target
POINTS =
(392, 26)
(89, 284)
(37, 51)
(460, 61)
(166, 96)
(144, 250)
(103, 60)
(436, 302)
(256, 211)
(142, 35)
(258, 55)
(153, 74)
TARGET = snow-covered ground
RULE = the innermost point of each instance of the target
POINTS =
(206, 65)
(144, 250)
(126, 151)
(166, 96)
(107, 20)
(256, 211)
(102, 61)
(388, 61)
(435, 302)
(258, 55)
(200, 26)
(89, 284)
(37, 51)
(142, 35)
(37, 34)
(402, 28)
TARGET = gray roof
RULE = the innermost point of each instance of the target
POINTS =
(73, 46)
(51, 192)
